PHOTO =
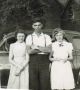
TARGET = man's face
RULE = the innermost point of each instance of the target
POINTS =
(37, 26)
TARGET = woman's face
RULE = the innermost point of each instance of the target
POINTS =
(20, 37)
(59, 36)
(37, 26)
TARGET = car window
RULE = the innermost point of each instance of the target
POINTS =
(6, 44)
(76, 42)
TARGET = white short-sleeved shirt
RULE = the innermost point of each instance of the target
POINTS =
(43, 40)
(63, 51)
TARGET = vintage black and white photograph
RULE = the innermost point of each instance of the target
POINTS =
(40, 44)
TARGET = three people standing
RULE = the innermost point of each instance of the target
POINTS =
(39, 76)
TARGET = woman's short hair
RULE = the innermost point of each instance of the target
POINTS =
(19, 31)
(58, 30)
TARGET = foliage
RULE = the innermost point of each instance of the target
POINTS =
(17, 11)
(21, 12)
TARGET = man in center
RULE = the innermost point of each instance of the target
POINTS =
(38, 45)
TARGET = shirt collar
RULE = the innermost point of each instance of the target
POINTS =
(34, 34)
(63, 43)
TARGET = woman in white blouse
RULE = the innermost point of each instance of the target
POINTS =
(61, 70)
(19, 58)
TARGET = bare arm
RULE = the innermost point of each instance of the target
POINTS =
(70, 56)
(70, 52)
(32, 49)
(26, 62)
(11, 56)
(46, 49)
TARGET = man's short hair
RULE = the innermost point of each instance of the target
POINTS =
(39, 20)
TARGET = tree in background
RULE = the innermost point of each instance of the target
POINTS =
(19, 11)
(15, 13)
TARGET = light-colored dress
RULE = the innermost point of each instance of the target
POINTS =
(61, 73)
(18, 50)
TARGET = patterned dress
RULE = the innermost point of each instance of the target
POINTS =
(61, 73)
(18, 50)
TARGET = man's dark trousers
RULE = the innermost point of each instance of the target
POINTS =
(39, 74)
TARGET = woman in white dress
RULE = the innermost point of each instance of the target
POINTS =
(19, 58)
(61, 70)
